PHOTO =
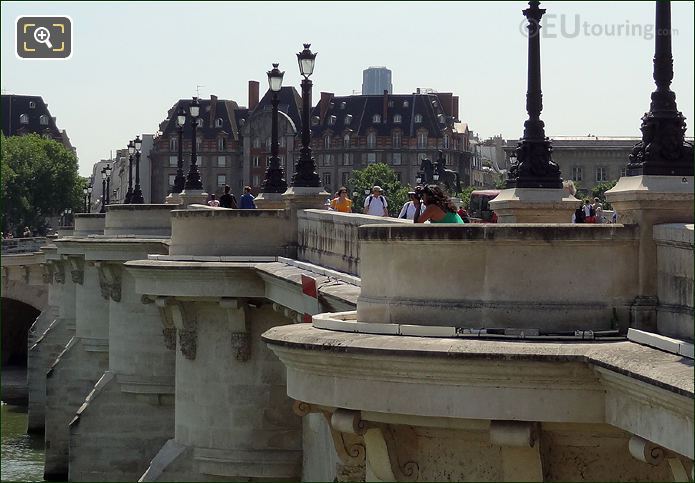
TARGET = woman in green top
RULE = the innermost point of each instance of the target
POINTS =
(440, 208)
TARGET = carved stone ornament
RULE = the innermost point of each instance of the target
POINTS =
(183, 317)
(110, 280)
(76, 269)
(59, 271)
(47, 272)
(238, 321)
(26, 269)
(387, 458)
(168, 329)
(5, 274)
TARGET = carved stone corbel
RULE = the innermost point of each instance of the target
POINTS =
(238, 320)
(59, 272)
(5, 275)
(168, 329)
(26, 273)
(76, 269)
(386, 459)
(109, 280)
(183, 318)
(47, 272)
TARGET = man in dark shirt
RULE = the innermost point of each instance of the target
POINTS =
(227, 200)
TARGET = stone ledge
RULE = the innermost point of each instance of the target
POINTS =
(667, 344)
(652, 366)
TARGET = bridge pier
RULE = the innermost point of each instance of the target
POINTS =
(129, 414)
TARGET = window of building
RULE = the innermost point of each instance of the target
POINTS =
(577, 173)
(201, 123)
(199, 144)
(256, 180)
(268, 143)
(32, 105)
(23, 119)
(446, 141)
(405, 103)
(173, 161)
(376, 118)
(43, 120)
(422, 140)
(441, 118)
(371, 158)
(221, 161)
(418, 159)
(331, 120)
(601, 173)
(221, 144)
(398, 176)
(283, 141)
(256, 161)
(328, 160)
(256, 142)
(327, 179)
(347, 159)
(173, 144)
(623, 172)
(345, 177)
(371, 140)
(396, 139)
(327, 142)
(218, 122)
(346, 141)
(348, 119)
(418, 118)
(396, 159)
(172, 180)
(221, 180)
(390, 103)
(397, 118)
(343, 105)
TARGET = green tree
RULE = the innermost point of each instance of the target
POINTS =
(378, 174)
(599, 191)
(39, 180)
(465, 196)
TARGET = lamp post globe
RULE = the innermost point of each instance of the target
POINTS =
(84, 199)
(137, 192)
(193, 181)
(180, 179)
(274, 181)
(305, 171)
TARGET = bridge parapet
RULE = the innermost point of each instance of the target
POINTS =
(23, 245)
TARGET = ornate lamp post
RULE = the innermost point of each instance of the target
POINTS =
(193, 181)
(535, 167)
(105, 174)
(129, 193)
(108, 184)
(274, 181)
(663, 149)
(137, 192)
(89, 198)
(84, 199)
(305, 171)
(180, 179)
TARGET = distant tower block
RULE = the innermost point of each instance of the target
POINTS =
(376, 80)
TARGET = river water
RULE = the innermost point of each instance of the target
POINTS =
(22, 454)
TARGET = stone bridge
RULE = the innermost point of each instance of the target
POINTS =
(175, 346)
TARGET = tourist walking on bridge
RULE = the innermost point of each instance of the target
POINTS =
(341, 202)
(440, 208)
(228, 200)
(412, 209)
(375, 204)
(247, 200)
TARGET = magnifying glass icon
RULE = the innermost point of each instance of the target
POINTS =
(43, 36)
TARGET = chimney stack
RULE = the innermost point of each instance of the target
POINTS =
(456, 108)
(326, 98)
(253, 94)
(386, 105)
(213, 110)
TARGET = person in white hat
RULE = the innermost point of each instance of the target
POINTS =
(376, 204)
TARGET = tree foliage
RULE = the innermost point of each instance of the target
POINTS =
(465, 196)
(599, 191)
(378, 174)
(39, 180)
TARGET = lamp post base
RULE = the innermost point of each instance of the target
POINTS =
(193, 197)
(270, 201)
(534, 205)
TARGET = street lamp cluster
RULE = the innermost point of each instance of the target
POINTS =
(87, 192)
(134, 196)
(105, 187)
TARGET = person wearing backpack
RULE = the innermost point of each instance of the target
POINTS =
(375, 204)
(578, 215)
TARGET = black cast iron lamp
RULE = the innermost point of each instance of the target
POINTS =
(274, 181)
(306, 60)
(137, 192)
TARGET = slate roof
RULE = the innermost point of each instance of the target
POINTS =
(224, 109)
(362, 108)
(290, 103)
(13, 106)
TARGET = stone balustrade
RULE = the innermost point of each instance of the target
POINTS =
(89, 224)
(22, 245)
(329, 238)
(498, 276)
(145, 220)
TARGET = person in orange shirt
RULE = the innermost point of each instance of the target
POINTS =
(341, 202)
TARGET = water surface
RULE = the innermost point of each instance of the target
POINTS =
(22, 454)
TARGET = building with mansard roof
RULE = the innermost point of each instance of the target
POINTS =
(29, 114)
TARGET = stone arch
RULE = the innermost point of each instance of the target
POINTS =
(17, 318)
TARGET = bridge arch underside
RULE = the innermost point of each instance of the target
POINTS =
(17, 317)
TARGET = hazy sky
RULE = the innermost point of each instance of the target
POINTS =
(132, 60)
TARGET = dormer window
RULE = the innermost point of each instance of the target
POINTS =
(405, 103)
(23, 119)
(331, 120)
(32, 105)
(43, 120)
(397, 118)
(376, 118)
(218, 122)
(315, 120)
(441, 118)
(418, 118)
(435, 103)
(343, 105)
(348, 119)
